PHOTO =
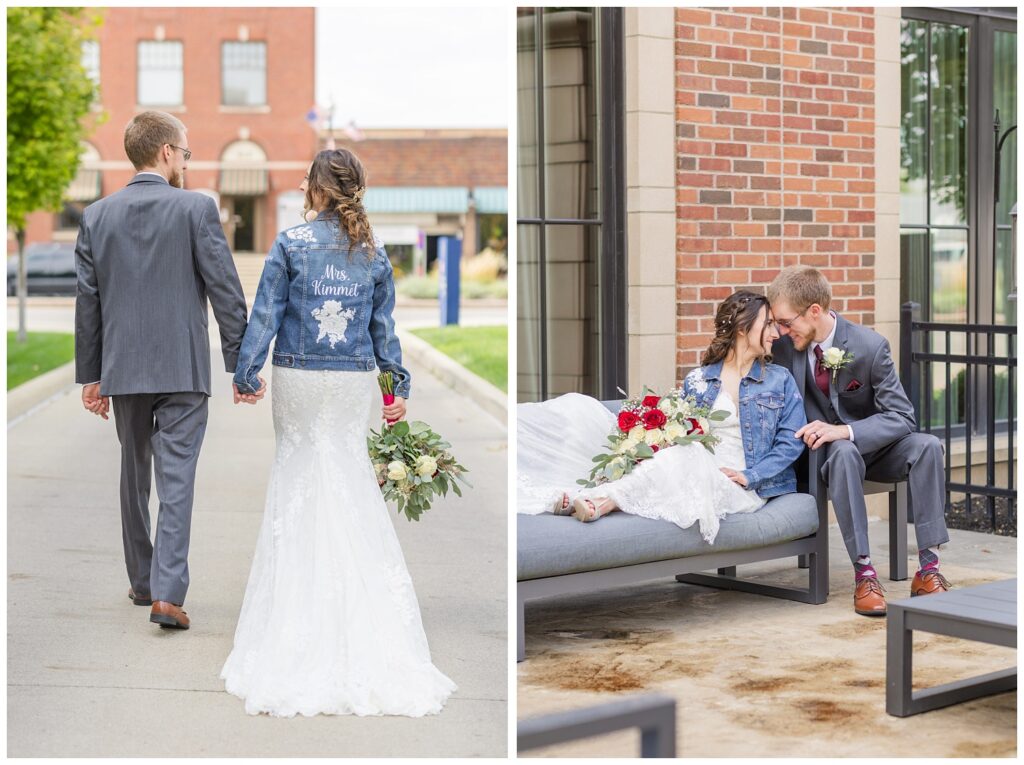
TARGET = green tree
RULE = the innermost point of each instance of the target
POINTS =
(49, 113)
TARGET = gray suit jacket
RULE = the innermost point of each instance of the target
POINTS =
(878, 410)
(147, 258)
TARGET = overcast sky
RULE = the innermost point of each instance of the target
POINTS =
(413, 67)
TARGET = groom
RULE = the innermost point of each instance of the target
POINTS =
(147, 258)
(858, 411)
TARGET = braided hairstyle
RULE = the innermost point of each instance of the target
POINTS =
(337, 179)
(736, 314)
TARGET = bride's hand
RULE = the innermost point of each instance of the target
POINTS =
(395, 411)
(735, 476)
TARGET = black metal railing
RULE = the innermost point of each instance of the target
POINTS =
(974, 404)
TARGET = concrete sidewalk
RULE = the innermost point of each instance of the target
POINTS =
(761, 677)
(89, 676)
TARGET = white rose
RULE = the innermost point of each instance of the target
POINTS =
(653, 436)
(426, 466)
(627, 445)
(397, 471)
(637, 433)
(667, 405)
(674, 430)
(704, 425)
(834, 356)
(684, 409)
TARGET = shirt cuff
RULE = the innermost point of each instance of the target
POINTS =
(92, 383)
(850, 428)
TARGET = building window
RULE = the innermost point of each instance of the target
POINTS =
(958, 68)
(244, 73)
(161, 77)
(91, 60)
(571, 226)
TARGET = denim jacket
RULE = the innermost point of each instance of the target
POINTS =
(329, 308)
(771, 411)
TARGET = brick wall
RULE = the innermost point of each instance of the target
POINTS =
(775, 153)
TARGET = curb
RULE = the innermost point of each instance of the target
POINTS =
(489, 397)
(39, 390)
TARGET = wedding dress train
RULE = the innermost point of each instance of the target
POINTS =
(330, 622)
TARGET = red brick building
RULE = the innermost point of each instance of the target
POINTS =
(242, 81)
(775, 160)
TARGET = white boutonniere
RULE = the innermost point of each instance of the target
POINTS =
(835, 359)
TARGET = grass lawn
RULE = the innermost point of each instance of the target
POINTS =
(482, 350)
(42, 352)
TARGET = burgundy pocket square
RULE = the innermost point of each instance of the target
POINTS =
(854, 385)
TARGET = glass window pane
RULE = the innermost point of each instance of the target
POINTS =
(1004, 86)
(949, 275)
(573, 330)
(526, 112)
(948, 124)
(244, 72)
(528, 313)
(914, 122)
(570, 113)
(914, 269)
(161, 80)
(1005, 309)
(91, 60)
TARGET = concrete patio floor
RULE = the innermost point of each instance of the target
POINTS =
(760, 677)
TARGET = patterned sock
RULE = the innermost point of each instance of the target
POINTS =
(863, 568)
(929, 559)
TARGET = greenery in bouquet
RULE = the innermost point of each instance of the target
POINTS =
(647, 424)
(413, 464)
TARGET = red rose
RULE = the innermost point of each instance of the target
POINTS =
(651, 401)
(655, 418)
(627, 421)
(654, 447)
(694, 427)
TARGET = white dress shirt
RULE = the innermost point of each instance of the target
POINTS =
(825, 344)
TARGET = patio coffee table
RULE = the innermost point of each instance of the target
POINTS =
(986, 613)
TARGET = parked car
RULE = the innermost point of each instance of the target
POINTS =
(50, 269)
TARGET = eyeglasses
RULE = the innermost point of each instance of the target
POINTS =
(184, 151)
(788, 323)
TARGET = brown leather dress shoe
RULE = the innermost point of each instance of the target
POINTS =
(928, 583)
(868, 599)
(139, 600)
(168, 615)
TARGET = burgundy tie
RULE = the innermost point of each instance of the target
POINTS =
(820, 373)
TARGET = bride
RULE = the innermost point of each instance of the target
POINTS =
(683, 484)
(330, 623)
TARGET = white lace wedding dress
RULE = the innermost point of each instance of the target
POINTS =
(680, 484)
(330, 623)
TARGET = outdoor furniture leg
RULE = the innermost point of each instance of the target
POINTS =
(898, 501)
(899, 667)
(727, 571)
(802, 562)
(520, 628)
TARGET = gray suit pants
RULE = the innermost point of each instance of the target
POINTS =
(164, 430)
(916, 458)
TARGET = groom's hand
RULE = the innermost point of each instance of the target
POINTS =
(735, 476)
(94, 402)
(249, 398)
(816, 434)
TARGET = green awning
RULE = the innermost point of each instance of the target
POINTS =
(417, 199)
(85, 187)
(243, 182)
(491, 199)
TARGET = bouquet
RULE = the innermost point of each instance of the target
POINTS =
(648, 424)
(412, 462)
